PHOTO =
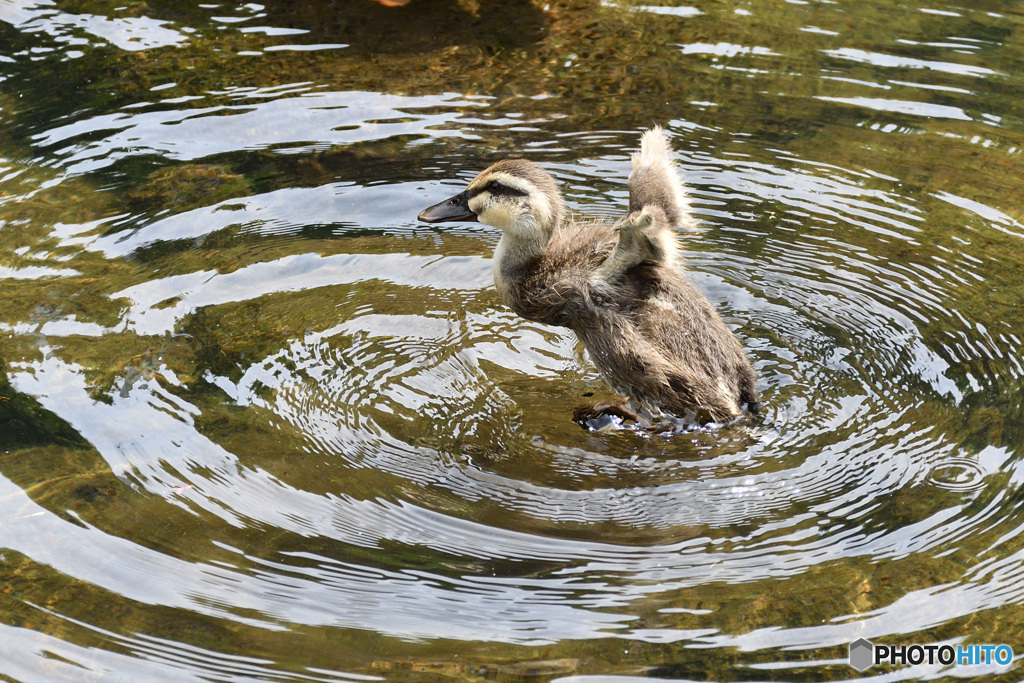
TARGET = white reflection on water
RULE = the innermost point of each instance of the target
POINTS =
(34, 272)
(125, 33)
(30, 655)
(925, 109)
(289, 274)
(994, 218)
(307, 122)
(879, 59)
(277, 212)
(727, 50)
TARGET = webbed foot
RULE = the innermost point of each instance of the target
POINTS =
(601, 415)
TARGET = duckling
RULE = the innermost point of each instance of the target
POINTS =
(653, 336)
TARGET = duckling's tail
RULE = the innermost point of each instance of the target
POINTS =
(655, 180)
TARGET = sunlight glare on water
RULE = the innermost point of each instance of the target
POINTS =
(257, 423)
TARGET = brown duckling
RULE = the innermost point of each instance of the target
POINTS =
(653, 336)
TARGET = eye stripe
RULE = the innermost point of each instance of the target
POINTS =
(499, 190)
(504, 190)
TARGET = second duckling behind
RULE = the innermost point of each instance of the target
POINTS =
(653, 336)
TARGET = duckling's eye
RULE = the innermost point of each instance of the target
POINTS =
(494, 186)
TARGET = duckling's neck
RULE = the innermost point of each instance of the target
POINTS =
(521, 244)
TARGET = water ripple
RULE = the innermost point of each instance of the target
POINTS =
(307, 122)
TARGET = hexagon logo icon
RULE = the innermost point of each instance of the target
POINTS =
(862, 654)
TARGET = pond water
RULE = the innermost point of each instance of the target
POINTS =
(257, 423)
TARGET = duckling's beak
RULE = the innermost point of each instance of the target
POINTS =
(453, 209)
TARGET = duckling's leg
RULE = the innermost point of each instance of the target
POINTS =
(585, 414)
(596, 416)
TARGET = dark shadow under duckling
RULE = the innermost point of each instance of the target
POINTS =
(653, 336)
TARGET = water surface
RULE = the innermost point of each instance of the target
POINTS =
(257, 423)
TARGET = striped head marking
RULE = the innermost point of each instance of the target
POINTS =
(518, 197)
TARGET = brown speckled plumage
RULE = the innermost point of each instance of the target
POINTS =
(652, 335)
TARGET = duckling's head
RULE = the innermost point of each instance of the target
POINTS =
(514, 195)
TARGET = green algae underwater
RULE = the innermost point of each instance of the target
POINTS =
(257, 423)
